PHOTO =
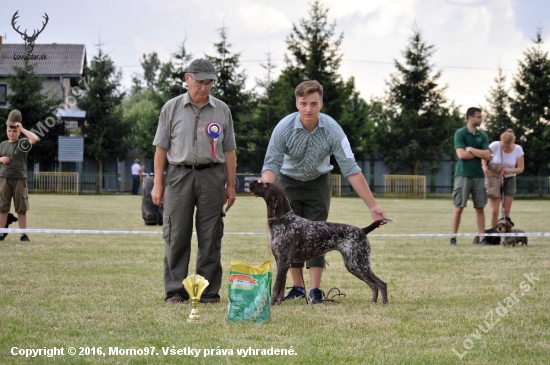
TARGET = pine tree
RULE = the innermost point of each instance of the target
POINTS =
(421, 126)
(530, 106)
(230, 88)
(497, 115)
(150, 64)
(314, 54)
(106, 131)
(265, 117)
(171, 74)
(137, 84)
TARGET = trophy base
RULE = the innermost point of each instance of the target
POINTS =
(194, 316)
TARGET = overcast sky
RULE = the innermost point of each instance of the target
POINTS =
(472, 37)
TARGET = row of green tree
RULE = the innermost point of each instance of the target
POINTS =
(411, 125)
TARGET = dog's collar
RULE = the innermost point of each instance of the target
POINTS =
(284, 215)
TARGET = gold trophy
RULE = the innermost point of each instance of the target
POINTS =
(195, 285)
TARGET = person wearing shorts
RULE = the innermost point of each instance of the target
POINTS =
(510, 155)
(13, 171)
(472, 146)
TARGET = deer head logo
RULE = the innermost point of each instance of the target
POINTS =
(29, 40)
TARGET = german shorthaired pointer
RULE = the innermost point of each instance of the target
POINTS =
(297, 239)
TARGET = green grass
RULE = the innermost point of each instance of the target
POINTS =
(63, 290)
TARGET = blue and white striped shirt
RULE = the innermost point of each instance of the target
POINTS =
(303, 155)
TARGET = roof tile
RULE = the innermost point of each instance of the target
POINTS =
(51, 59)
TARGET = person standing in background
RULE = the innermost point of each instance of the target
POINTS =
(472, 146)
(13, 171)
(510, 155)
(136, 176)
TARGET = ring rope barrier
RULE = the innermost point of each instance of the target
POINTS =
(114, 232)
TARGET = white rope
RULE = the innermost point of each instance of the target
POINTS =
(73, 231)
(535, 234)
(87, 231)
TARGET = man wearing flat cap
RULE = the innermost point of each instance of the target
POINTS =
(13, 171)
(195, 143)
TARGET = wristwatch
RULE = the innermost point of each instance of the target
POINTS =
(468, 149)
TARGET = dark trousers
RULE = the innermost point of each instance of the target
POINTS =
(310, 200)
(135, 184)
(201, 194)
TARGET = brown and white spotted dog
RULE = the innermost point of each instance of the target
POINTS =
(294, 238)
(505, 226)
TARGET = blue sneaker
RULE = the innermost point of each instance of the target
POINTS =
(316, 296)
(296, 292)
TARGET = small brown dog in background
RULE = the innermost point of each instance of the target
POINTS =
(505, 226)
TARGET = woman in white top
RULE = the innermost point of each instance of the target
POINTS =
(510, 154)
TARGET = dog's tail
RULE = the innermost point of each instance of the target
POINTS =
(373, 226)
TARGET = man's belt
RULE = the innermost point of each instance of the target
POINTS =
(201, 167)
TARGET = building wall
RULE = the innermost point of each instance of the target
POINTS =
(51, 87)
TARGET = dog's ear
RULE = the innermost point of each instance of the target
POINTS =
(276, 202)
(279, 207)
(508, 219)
(275, 205)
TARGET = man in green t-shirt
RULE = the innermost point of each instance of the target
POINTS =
(471, 145)
(13, 171)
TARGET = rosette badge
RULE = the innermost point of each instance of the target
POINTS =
(214, 130)
(195, 286)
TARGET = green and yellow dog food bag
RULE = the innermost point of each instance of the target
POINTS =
(249, 292)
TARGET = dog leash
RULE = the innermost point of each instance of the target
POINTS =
(327, 297)
(502, 182)
(502, 197)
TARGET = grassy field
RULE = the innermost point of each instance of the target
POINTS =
(467, 304)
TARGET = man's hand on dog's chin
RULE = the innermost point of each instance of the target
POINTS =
(268, 176)
(157, 194)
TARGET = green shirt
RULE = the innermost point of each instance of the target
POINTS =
(463, 139)
(17, 168)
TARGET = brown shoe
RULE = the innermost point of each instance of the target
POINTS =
(174, 301)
